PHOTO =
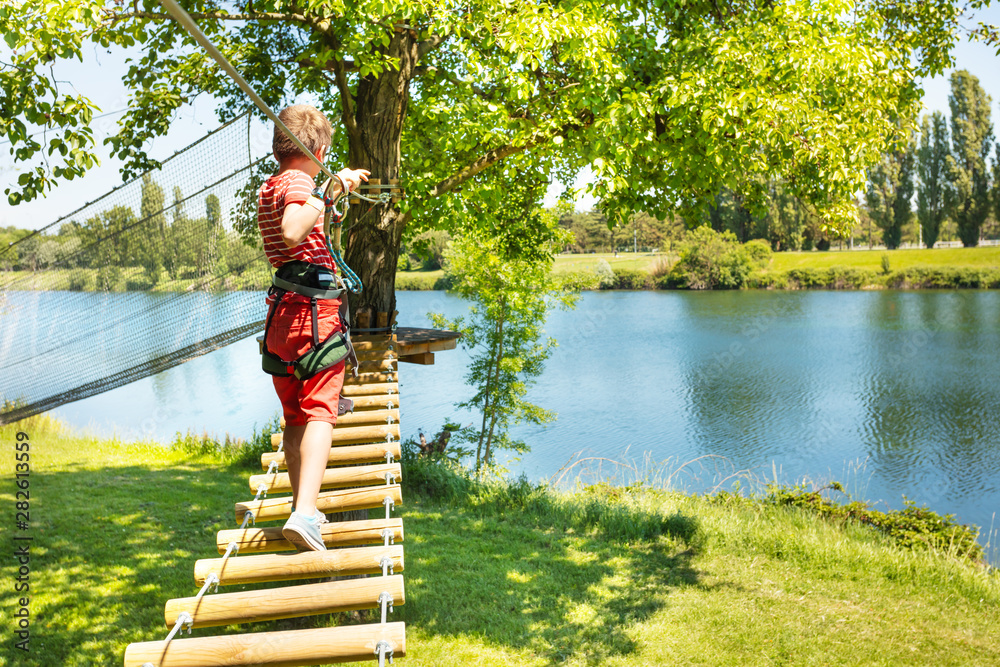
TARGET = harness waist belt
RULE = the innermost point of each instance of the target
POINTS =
(311, 292)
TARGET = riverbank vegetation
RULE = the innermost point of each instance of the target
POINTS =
(859, 269)
(501, 570)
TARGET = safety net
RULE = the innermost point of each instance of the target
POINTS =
(158, 271)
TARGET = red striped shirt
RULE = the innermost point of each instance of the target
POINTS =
(289, 187)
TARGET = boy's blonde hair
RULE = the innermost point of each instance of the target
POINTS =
(308, 124)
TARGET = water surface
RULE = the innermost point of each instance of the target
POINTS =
(894, 393)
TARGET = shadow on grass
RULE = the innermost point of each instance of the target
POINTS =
(515, 581)
(109, 547)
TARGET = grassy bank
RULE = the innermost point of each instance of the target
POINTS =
(858, 269)
(504, 572)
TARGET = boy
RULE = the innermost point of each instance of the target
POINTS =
(290, 219)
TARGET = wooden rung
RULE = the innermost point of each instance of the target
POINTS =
(374, 365)
(363, 417)
(271, 604)
(369, 378)
(305, 565)
(342, 455)
(376, 402)
(358, 435)
(333, 478)
(371, 343)
(376, 355)
(338, 534)
(285, 648)
(380, 337)
(341, 500)
(374, 388)
(368, 417)
(354, 435)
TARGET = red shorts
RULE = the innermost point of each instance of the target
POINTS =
(289, 337)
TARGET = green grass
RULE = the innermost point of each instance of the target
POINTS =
(641, 261)
(863, 268)
(511, 575)
(985, 257)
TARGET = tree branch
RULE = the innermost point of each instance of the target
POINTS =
(428, 45)
(497, 154)
(212, 16)
(347, 107)
(487, 160)
(348, 65)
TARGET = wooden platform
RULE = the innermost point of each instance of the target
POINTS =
(417, 345)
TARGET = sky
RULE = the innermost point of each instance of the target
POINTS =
(99, 77)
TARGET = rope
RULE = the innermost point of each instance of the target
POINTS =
(188, 24)
(183, 18)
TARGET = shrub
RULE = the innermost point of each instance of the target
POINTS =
(605, 275)
(81, 281)
(668, 281)
(885, 264)
(759, 251)
(660, 268)
(230, 450)
(830, 278)
(110, 278)
(710, 260)
(849, 277)
(632, 279)
(773, 280)
(944, 278)
(139, 283)
(912, 527)
(575, 281)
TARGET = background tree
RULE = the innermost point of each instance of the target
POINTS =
(971, 138)
(213, 210)
(504, 269)
(150, 251)
(668, 102)
(784, 220)
(890, 190)
(215, 252)
(118, 249)
(996, 184)
(932, 176)
(729, 213)
(589, 229)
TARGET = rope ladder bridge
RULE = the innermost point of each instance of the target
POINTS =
(361, 568)
(363, 473)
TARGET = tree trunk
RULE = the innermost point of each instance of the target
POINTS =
(374, 231)
(496, 383)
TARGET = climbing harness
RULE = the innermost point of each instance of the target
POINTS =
(312, 281)
(315, 282)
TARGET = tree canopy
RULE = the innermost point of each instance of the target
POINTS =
(668, 101)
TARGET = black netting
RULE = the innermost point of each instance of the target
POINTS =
(150, 275)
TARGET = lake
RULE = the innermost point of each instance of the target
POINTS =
(892, 393)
